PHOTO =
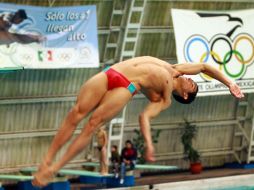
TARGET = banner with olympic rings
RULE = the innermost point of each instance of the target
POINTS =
(48, 37)
(224, 40)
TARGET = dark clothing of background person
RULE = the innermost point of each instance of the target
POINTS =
(128, 161)
(115, 157)
(115, 162)
(129, 154)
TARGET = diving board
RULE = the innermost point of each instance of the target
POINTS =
(109, 180)
(24, 182)
(69, 172)
(82, 173)
(90, 177)
(15, 177)
(155, 167)
(139, 166)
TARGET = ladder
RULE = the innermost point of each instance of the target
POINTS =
(129, 44)
(251, 144)
(113, 40)
(51, 2)
(115, 136)
(132, 29)
(240, 132)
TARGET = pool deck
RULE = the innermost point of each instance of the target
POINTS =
(185, 176)
(180, 176)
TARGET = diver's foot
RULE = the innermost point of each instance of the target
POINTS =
(43, 177)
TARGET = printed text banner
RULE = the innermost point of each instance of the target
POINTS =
(43, 37)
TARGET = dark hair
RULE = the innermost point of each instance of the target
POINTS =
(128, 141)
(22, 13)
(114, 146)
(191, 97)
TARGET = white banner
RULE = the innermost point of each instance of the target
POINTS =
(222, 39)
(33, 37)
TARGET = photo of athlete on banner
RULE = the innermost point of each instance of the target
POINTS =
(7, 20)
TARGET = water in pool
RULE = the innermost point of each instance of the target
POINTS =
(237, 188)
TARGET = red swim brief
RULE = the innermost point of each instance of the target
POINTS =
(116, 80)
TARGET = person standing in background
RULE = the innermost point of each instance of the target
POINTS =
(102, 141)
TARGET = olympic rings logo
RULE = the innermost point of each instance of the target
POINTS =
(228, 55)
(64, 57)
(26, 57)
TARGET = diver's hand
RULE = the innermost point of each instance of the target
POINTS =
(235, 90)
(149, 154)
